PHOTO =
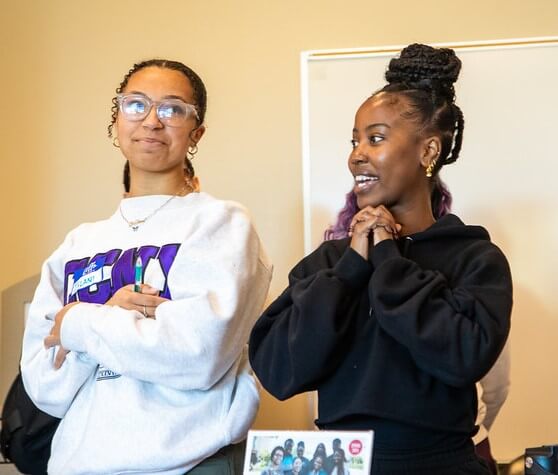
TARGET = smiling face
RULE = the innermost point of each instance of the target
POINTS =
(318, 462)
(148, 144)
(389, 155)
(288, 446)
(277, 457)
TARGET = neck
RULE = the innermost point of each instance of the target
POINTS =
(158, 184)
(413, 220)
(413, 211)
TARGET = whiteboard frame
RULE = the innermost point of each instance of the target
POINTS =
(323, 55)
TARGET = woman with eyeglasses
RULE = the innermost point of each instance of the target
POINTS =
(275, 459)
(136, 334)
(394, 324)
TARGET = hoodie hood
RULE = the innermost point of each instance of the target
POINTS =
(450, 226)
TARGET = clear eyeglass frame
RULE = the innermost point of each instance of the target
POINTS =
(166, 109)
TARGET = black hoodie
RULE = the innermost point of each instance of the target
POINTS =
(397, 341)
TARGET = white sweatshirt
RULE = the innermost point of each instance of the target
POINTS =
(142, 395)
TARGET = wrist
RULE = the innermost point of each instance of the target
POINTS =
(360, 244)
(382, 231)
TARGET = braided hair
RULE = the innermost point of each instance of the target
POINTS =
(200, 101)
(424, 76)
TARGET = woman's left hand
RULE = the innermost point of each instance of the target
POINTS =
(377, 221)
(53, 339)
(145, 302)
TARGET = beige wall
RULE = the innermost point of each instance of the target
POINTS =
(61, 61)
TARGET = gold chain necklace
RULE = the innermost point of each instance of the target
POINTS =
(136, 223)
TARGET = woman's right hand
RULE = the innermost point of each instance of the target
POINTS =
(376, 220)
(144, 302)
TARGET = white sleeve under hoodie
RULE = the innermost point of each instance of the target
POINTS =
(492, 391)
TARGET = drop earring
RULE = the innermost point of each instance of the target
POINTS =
(192, 150)
(430, 168)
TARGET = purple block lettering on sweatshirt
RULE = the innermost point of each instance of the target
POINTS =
(69, 270)
(167, 255)
(146, 253)
(122, 273)
(102, 291)
(123, 270)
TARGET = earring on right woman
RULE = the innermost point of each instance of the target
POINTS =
(116, 142)
(430, 168)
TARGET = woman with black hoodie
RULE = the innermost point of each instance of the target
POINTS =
(394, 325)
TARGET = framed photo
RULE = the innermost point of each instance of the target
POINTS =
(308, 452)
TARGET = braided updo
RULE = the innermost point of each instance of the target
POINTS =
(424, 67)
(425, 76)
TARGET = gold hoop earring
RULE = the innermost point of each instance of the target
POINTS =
(115, 142)
(192, 150)
(430, 168)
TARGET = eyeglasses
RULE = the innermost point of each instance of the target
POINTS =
(171, 112)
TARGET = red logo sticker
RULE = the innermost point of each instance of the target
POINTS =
(355, 447)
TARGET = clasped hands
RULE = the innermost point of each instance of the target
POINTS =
(144, 302)
(376, 220)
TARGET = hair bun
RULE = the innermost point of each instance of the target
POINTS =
(424, 67)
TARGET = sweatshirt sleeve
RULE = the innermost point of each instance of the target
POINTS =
(218, 282)
(454, 330)
(51, 390)
(495, 386)
(300, 336)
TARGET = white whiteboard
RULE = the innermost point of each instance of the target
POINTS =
(505, 179)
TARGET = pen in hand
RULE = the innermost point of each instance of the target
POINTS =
(138, 275)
